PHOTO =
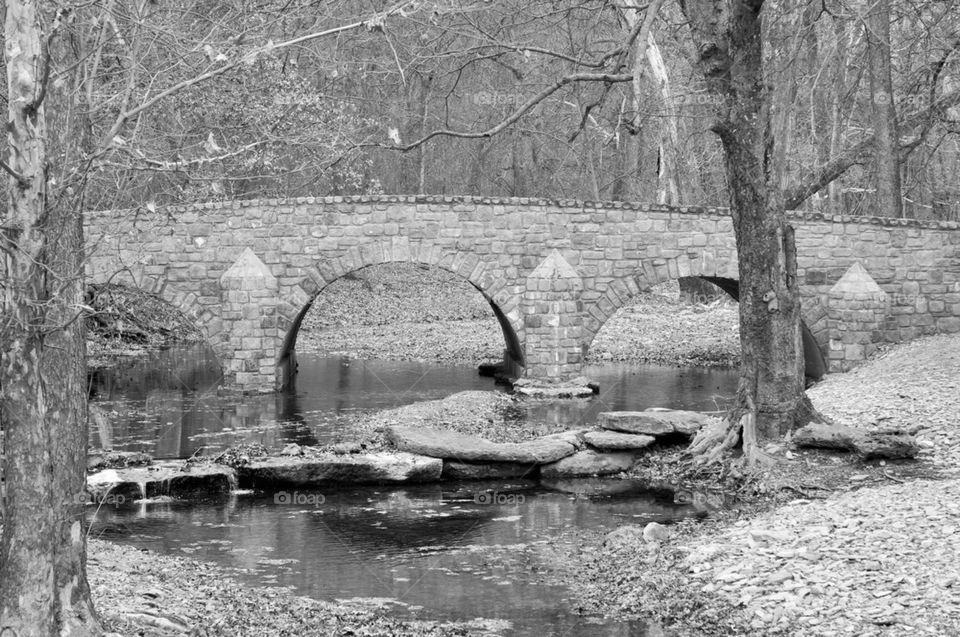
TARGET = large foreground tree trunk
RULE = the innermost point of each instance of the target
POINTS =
(43, 587)
(771, 399)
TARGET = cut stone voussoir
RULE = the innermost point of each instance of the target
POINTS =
(655, 422)
(589, 463)
(868, 444)
(452, 445)
(354, 468)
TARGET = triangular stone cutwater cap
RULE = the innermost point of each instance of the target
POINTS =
(248, 266)
(856, 283)
(555, 267)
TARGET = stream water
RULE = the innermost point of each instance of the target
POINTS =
(440, 552)
(168, 404)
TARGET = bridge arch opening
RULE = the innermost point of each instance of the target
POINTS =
(139, 322)
(395, 304)
(612, 302)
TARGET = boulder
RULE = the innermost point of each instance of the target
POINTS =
(454, 470)
(452, 445)
(655, 422)
(365, 468)
(615, 440)
(588, 463)
(655, 533)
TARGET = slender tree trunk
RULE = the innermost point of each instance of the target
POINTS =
(668, 178)
(668, 169)
(43, 587)
(771, 398)
(834, 189)
(626, 184)
(887, 158)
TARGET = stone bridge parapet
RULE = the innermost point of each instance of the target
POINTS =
(553, 271)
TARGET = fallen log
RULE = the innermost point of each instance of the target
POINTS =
(868, 444)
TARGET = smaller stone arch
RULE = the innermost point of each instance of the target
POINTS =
(649, 273)
(186, 302)
(296, 302)
(722, 272)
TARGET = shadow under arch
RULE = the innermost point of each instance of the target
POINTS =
(720, 273)
(814, 365)
(187, 303)
(469, 269)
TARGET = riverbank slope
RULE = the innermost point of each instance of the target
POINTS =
(874, 554)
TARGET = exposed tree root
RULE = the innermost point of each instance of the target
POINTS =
(714, 444)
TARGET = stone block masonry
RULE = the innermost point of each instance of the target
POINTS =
(554, 271)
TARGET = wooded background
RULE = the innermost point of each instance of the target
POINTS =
(324, 116)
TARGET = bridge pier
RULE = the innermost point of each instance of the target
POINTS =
(249, 332)
(553, 327)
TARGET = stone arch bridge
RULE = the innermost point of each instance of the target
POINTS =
(553, 271)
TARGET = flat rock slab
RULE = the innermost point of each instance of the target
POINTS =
(454, 470)
(590, 487)
(452, 445)
(363, 468)
(579, 387)
(659, 422)
(174, 479)
(589, 463)
(614, 440)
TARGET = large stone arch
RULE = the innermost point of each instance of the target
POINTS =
(722, 271)
(297, 301)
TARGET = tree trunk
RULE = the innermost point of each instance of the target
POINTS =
(668, 170)
(887, 158)
(771, 399)
(43, 587)
(834, 190)
(668, 177)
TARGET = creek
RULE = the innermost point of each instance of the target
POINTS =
(446, 551)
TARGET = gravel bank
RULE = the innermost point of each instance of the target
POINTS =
(877, 557)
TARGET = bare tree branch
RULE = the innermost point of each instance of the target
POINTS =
(372, 23)
(516, 115)
(817, 179)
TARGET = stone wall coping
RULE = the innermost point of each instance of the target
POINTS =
(573, 204)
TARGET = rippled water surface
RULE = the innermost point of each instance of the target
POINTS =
(436, 552)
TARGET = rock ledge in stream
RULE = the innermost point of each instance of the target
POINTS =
(173, 479)
(589, 463)
(579, 387)
(616, 441)
(354, 468)
(655, 422)
(453, 470)
(453, 445)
